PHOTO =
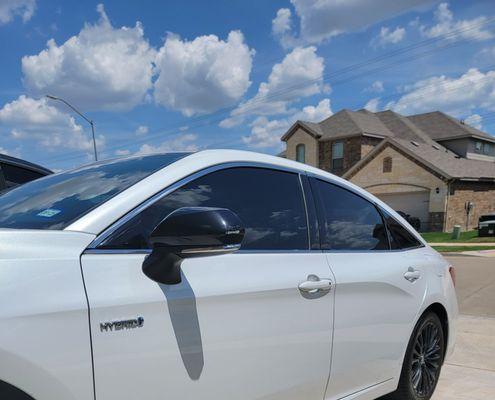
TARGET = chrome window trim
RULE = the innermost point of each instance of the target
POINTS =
(148, 251)
(174, 186)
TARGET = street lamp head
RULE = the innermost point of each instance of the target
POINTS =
(51, 97)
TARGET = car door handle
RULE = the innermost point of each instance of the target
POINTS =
(412, 275)
(314, 284)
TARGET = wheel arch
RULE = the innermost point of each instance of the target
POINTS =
(8, 391)
(441, 312)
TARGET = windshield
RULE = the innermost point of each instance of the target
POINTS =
(55, 201)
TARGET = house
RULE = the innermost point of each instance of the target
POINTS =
(431, 166)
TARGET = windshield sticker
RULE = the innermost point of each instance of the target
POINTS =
(48, 213)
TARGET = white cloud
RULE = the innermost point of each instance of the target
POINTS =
(122, 152)
(322, 19)
(142, 130)
(388, 36)
(9, 9)
(475, 120)
(184, 142)
(267, 133)
(203, 75)
(282, 28)
(300, 74)
(373, 105)
(282, 22)
(376, 87)
(457, 96)
(466, 29)
(31, 119)
(101, 68)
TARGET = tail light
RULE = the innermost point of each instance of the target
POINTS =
(452, 274)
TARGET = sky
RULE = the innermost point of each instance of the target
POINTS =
(190, 75)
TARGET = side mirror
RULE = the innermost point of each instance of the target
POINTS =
(191, 232)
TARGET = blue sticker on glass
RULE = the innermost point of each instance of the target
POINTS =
(48, 213)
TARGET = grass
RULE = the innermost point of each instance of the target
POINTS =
(456, 249)
(466, 237)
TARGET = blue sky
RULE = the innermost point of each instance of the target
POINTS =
(188, 75)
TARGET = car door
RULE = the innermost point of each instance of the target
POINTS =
(375, 305)
(237, 326)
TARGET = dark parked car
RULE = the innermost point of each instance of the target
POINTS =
(414, 221)
(486, 225)
(15, 172)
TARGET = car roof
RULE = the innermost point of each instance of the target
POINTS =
(24, 164)
(99, 219)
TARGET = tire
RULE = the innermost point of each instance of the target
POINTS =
(423, 361)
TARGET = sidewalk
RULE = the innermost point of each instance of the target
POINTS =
(470, 373)
(481, 244)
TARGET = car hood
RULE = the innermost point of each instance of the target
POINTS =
(29, 244)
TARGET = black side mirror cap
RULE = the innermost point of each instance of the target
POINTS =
(191, 232)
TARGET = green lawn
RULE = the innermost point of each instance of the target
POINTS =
(466, 237)
(455, 249)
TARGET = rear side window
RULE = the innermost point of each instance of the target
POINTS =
(15, 175)
(350, 222)
(400, 237)
(270, 204)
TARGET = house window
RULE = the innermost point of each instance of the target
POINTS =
(483, 148)
(387, 164)
(301, 153)
(337, 155)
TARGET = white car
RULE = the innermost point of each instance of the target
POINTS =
(215, 275)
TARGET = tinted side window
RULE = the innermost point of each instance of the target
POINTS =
(15, 175)
(350, 222)
(270, 204)
(400, 237)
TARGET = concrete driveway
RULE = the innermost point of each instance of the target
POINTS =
(470, 373)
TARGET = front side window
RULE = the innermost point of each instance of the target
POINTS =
(478, 147)
(269, 203)
(350, 222)
(301, 153)
(55, 201)
(337, 155)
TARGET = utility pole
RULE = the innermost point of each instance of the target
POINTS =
(89, 121)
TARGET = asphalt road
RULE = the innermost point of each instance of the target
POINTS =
(475, 285)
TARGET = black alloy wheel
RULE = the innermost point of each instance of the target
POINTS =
(426, 359)
(422, 362)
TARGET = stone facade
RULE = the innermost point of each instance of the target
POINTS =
(482, 194)
(406, 176)
(311, 144)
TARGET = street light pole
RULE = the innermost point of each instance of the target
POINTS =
(89, 121)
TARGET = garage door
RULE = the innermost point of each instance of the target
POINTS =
(414, 203)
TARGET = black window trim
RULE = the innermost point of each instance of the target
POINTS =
(107, 232)
(319, 212)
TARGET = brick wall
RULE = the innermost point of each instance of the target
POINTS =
(368, 144)
(482, 194)
(355, 148)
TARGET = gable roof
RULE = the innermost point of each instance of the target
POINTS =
(435, 158)
(441, 126)
(349, 123)
(309, 127)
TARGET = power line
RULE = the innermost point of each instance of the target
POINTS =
(210, 119)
